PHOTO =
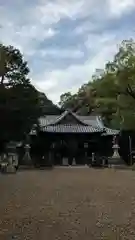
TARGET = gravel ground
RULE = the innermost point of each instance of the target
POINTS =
(70, 203)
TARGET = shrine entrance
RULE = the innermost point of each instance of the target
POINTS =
(73, 149)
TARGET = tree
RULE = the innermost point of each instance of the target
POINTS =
(19, 102)
(123, 70)
(47, 106)
(65, 100)
(111, 91)
(13, 68)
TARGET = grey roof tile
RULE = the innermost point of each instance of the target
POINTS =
(65, 128)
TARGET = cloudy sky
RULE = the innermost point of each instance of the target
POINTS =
(64, 41)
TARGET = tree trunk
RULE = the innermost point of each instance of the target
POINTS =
(2, 79)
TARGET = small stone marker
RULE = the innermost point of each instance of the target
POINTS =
(65, 161)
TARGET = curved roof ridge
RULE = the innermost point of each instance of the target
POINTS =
(64, 114)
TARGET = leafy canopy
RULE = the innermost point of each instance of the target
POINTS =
(19, 102)
(110, 92)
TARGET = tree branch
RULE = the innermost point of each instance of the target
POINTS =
(130, 91)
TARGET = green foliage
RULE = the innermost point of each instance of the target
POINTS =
(19, 102)
(46, 105)
(19, 110)
(13, 68)
(66, 100)
(111, 91)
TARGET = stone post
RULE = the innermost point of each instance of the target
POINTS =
(93, 158)
(86, 145)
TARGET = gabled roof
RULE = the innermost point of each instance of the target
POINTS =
(92, 123)
(55, 124)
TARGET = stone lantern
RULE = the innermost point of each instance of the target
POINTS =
(115, 159)
(115, 148)
(12, 158)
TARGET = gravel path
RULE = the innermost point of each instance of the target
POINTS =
(70, 203)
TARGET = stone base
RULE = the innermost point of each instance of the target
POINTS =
(74, 162)
(115, 161)
(10, 169)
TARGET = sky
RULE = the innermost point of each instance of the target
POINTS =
(65, 41)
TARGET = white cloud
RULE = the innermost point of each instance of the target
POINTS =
(62, 53)
(118, 7)
(27, 37)
(87, 26)
(28, 28)
(25, 32)
(35, 23)
(52, 12)
(58, 81)
(70, 79)
(99, 41)
(35, 32)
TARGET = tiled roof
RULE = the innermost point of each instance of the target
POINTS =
(68, 128)
(86, 124)
(95, 121)
(88, 120)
